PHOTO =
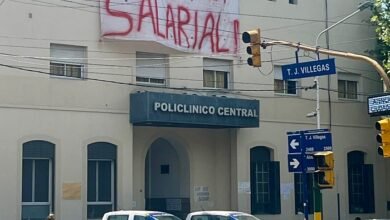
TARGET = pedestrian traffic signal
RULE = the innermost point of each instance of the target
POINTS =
(324, 175)
(253, 38)
(383, 126)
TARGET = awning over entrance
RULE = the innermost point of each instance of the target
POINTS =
(193, 111)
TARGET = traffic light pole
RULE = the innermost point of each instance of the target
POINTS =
(353, 56)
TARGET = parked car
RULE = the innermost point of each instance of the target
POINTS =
(220, 215)
(138, 215)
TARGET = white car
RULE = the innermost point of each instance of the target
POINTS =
(138, 215)
(220, 215)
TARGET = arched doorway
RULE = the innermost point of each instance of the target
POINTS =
(167, 178)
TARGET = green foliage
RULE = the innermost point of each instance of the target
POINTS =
(381, 18)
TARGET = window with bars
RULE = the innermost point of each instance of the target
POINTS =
(101, 179)
(67, 60)
(216, 73)
(151, 68)
(37, 180)
(298, 186)
(265, 182)
(360, 184)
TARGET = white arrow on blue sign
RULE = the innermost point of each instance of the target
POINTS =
(294, 143)
(295, 163)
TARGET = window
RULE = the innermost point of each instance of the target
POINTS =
(265, 182)
(151, 68)
(37, 180)
(283, 86)
(101, 192)
(348, 86)
(293, 2)
(298, 186)
(360, 184)
(67, 61)
(216, 73)
(347, 89)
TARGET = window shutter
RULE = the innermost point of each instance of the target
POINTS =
(368, 183)
(217, 65)
(253, 187)
(274, 168)
(151, 65)
(68, 54)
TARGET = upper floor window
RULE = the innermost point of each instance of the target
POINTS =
(67, 60)
(151, 68)
(284, 86)
(360, 184)
(216, 73)
(348, 86)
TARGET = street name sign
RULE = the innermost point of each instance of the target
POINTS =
(317, 140)
(301, 147)
(379, 105)
(309, 69)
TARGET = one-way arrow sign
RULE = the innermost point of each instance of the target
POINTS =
(294, 143)
(295, 163)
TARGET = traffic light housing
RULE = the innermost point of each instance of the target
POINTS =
(383, 126)
(324, 175)
(253, 38)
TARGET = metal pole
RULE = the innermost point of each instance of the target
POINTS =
(305, 196)
(375, 64)
(304, 183)
(360, 8)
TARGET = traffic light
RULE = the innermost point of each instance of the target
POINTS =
(383, 126)
(324, 175)
(253, 38)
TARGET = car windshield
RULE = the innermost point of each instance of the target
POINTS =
(209, 217)
(164, 217)
(244, 217)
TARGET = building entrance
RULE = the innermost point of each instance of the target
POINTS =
(167, 178)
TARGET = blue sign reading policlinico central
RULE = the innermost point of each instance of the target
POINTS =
(309, 69)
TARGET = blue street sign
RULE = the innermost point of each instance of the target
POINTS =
(310, 163)
(301, 163)
(309, 69)
(317, 140)
(295, 163)
(294, 143)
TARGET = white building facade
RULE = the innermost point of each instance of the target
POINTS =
(117, 105)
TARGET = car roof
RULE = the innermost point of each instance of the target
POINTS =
(135, 212)
(222, 213)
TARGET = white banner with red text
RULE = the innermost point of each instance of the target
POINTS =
(195, 26)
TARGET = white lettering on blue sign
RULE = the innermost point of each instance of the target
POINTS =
(204, 110)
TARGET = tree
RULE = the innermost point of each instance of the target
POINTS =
(381, 18)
